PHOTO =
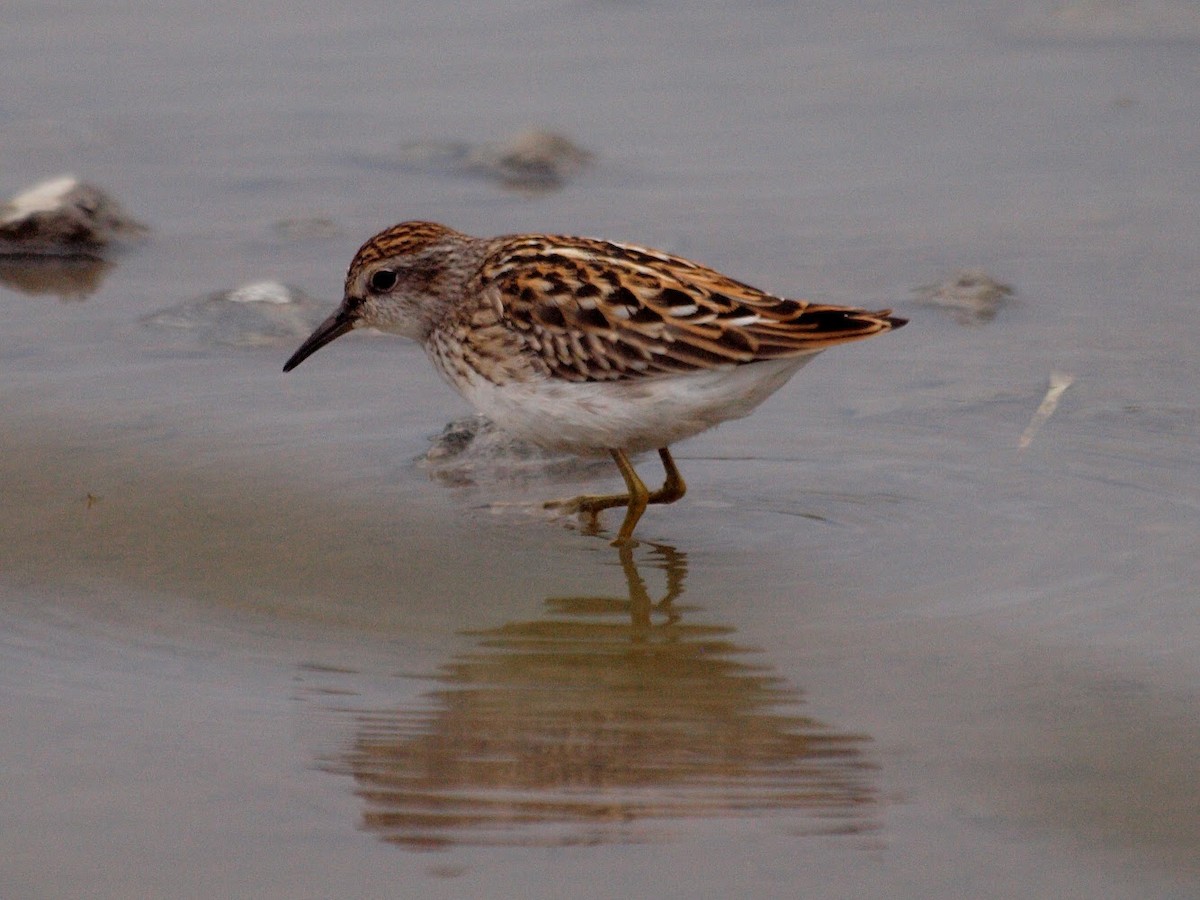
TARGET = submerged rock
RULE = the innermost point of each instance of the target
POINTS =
(64, 217)
(971, 295)
(257, 314)
(532, 160)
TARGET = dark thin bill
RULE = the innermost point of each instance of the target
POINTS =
(329, 330)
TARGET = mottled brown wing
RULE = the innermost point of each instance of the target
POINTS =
(600, 311)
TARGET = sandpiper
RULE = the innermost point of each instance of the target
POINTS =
(585, 345)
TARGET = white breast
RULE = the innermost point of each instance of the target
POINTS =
(635, 415)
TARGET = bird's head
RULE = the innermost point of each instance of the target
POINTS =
(401, 281)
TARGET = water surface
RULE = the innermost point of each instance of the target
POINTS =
(250, 648)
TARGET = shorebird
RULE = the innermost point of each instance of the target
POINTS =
(585, 345)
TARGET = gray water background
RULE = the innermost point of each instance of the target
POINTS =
(234, 613)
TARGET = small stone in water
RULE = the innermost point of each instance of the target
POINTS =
(263, 292)
(63, 217)
(971, 295)
(256, 314)
(532, 160)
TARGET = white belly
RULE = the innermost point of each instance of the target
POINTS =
(638, 415)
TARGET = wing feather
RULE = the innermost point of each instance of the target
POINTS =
(599, 311)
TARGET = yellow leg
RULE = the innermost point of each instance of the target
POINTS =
(673, 488)
(637, 498)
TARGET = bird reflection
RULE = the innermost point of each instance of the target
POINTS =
(598, 723)
(68, 277)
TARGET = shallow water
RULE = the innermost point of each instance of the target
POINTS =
(250, 647)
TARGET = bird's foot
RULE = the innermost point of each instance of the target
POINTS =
(589, 507)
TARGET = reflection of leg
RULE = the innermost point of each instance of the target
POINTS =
(674, 564)
(637, 601)
(639, 598)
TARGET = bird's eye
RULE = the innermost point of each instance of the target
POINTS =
(383, 280)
